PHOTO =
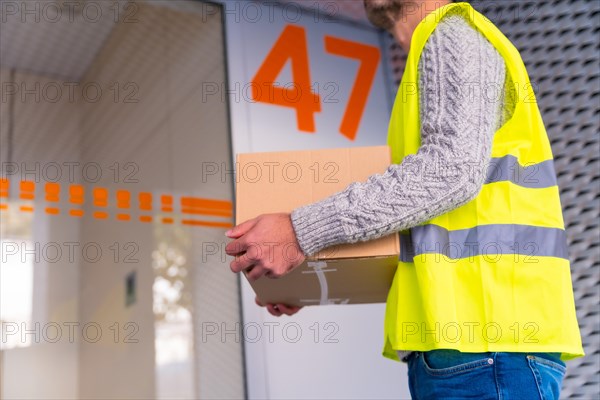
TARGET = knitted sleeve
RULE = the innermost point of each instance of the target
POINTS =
(460, 80)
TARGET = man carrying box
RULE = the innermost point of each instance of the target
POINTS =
(481, 305)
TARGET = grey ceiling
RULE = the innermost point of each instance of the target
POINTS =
(54, 41)
(60, 39)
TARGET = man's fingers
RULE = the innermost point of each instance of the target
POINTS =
(256, 272)
(240, 229)
(273, 310)
(278, 310)
(236, 247)
(241, 263)
(288, 310)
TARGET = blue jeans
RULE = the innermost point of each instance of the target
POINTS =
(452, 375)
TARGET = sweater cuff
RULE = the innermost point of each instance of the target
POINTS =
(317, 226)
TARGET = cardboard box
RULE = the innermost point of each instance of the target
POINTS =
(282, 181)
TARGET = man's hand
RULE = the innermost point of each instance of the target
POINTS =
(265, 245)
(278, 310)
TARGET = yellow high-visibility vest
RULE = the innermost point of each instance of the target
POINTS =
(493, 274)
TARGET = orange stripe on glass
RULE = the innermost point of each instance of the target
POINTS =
(52, 192)
(145, 200)
(201, 206)
(76, 193)
(166, 202)
(4, 186)
(218, 213)
(52, 196)
(100, 196)
(27, 190)
(123, 201)
(212, 224)
(76, 196)
(198, 202)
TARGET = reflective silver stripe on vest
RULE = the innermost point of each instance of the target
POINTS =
(507, 168)
(485, 240)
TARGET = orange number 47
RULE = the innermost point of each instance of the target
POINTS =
(291, 45)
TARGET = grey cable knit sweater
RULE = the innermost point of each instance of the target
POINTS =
(461, 86)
